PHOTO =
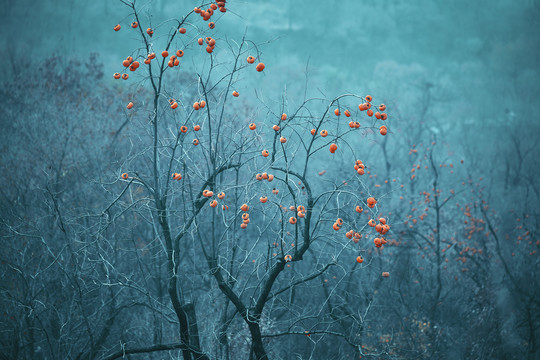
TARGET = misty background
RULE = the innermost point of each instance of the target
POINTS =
(460, 74)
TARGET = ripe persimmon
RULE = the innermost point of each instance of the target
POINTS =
(276, 127)
(250, 59)
(235, 93)
(202, 103)
(283, 117)
(150, 32)
(244, 207)
(283, 140)
(333, 148)
(359, 209)
(196, 105)
(200, 41)
(336, 111)
(177, 176)
(182, 30)
(174, 105)
(260, 67)
(125, 76)
(383, 130)
(117, 27)
(213, 203)
(197, 127)
(324, 133)
(179, 53)
(347, 113)
(124, 175)
(263, 199)
(211, 25)
(116, 76)
(221, 195)
(184, 129)
(369, 98)
(252, 126)
(164, 53)
(359, 259)
(129, 105)
(265, 153)
(292, 220)
(195, 142)
(288, 258)
(382, 107)
(371, 202)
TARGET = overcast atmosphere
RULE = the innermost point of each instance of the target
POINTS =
(269, 180)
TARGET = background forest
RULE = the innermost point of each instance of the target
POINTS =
(198, 210)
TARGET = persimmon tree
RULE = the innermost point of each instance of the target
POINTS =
(235, 185)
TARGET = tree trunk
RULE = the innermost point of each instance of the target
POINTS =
(182, 318)
(193, 329)
(256, 340)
